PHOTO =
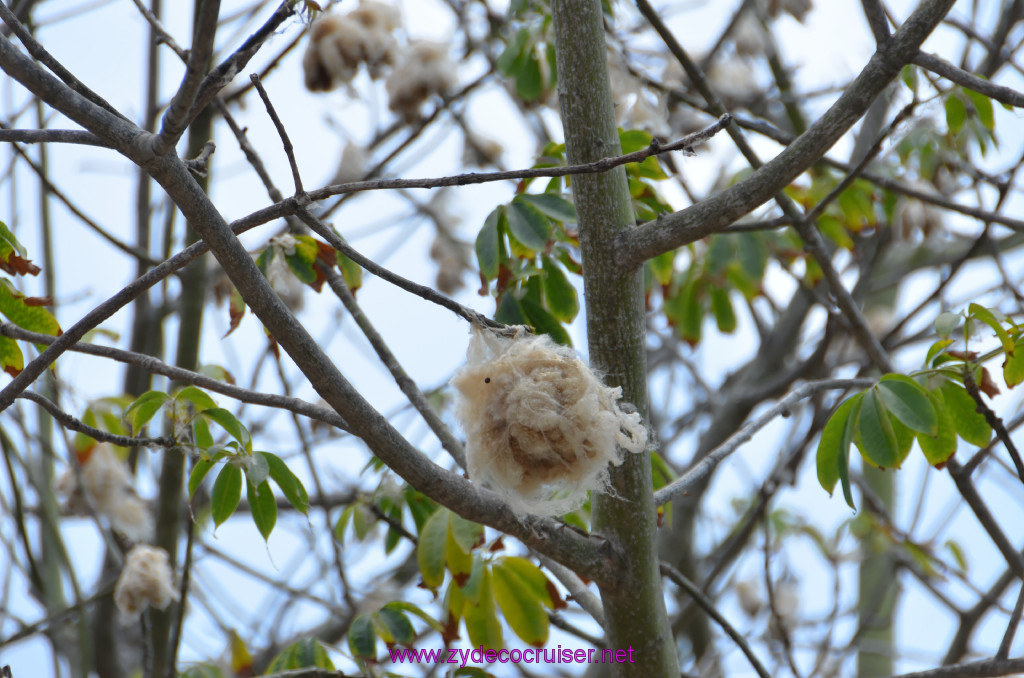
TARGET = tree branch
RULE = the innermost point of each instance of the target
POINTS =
(156, 366)
(961, 77)
(179, 113)
(72, 424)
(711, 215)
(703, 469)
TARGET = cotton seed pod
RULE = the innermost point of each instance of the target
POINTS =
(541, 428)
(423, 71)
(145, 581)
(338, 45)
(109, 487)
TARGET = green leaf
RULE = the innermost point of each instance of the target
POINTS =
(830, 445)
(529, 81)
(487, 248)
(197, 397)
(430, 551)
(144, 408)
(527, 225)
(551, 205)
(633, 140)
(199, 471)
(263, 507)
(302, 654)
(520, 605)
(25, 312)
(662, 266)
(11, 359)
(412, 609)
(1013, 366)
(545, 323)
(227, 421)
(466, 533)
(936, 349)
(559, 292)
(946, 322)
(227, 492)
(721, 308)
(510, 311)
(956, 113)
(531, 577)
(512, 51)
(302, 261)
(986, 316)
(481, 617)
(290, 485)
(459, 560)
(938, 448)
(879, 445)
(908, 401)
(202, 671)
(969, 423)
(983, 106)
(394, 626)
(351, 272)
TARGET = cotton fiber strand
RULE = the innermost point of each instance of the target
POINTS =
(541, 428)
(145, 581)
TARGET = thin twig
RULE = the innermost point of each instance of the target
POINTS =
(1011, 627)
(289, 150)
(179, 114)
(157, 366)
(708, 606)
(78, 426)
(58, 136)
(186, 574)
(706, 465)
(603, 165)
(97, 315)
(995, 422)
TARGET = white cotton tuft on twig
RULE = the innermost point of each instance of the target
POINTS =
(541, 428)
(109, 487)
(145, 581)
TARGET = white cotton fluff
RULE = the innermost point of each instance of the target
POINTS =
(145, 581)
(338, 45)
(541, 428)
(109, 487)
(423, 70)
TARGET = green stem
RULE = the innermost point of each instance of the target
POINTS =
(633, 599)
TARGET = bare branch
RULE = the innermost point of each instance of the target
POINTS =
(703, 469)
(961, 77)
(987, 668)
(289, 151)
(72, 424)
(177, 116)
(709, 607)
(685, 144)
(711, 215)
(58, 136)
(156, 366)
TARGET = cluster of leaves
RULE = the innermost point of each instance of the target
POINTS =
(303, 654)
(481, 581)
(191, 412)
(970, 120)
(528, 246)
(306, 258)
(934, 406)
(24, 311)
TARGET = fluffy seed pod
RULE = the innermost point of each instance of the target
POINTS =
(423, 71)
(541, 428)
(338, 45)
(145, 581)
(106, 481)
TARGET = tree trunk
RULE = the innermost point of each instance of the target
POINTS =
(634, 605)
